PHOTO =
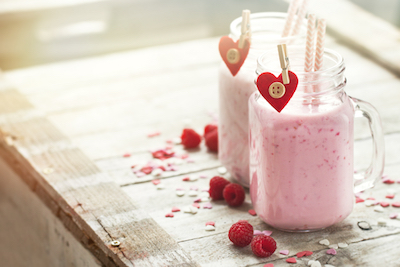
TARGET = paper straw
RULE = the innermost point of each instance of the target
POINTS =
(300, 17)
(290, 17)
(310, 49)
(310, 43)
(245, 29)
(319, 51)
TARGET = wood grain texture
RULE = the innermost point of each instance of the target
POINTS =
(75, 182)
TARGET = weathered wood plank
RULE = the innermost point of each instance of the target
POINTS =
(67, 174)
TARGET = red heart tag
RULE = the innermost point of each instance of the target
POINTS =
(232, 55)
(274, 91)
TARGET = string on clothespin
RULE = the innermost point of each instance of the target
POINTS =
(245, 28)
(284, 60)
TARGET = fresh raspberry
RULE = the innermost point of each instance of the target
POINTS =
(241, 233)
(263, 246)
(190, 139)
(234, 194)
(212, 140)
(210, 128)
(217, 185)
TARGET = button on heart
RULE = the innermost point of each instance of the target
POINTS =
(232, 55)
(274, 91)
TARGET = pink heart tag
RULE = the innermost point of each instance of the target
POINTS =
(274, 91)
(232, 55)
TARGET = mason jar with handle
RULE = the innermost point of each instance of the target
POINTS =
(234, 91)
(301, 159)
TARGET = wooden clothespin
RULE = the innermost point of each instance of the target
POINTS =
(284, 60)
(245, 29)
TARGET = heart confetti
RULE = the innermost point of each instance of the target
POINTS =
(291, 260)
(331, 251)
(274, 91)
(232, 55)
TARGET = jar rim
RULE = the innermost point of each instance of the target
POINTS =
(235, 26)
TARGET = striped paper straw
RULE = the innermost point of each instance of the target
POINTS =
(319, 51)
(300, 17)
(290, 17)
(310, 43)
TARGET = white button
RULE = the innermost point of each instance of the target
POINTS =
(277, 90)
(233, 56)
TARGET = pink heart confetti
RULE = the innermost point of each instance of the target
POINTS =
(175, 209)
(210, 223)
(384, 204)
(398, 181)
(291, 260)
(393, 215)
(196, 205)
(194, 188)
(257, 232)
(205, 190)
(156, 181)
(284, 252)
(252, 212)
(331, 251)
(207, 206)
(359, 200)
(268, 265)
(300, 254)
(388, 181)
(171, 215)
(140, 174)
(180, 189)
(267, 233)
(197, 200)
(126, 155)
(371, 198)
(153, 134)
(203, 176)
(390, 196)
(186, 179)
(396, 204)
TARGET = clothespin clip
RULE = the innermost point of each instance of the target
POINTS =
(245, 29)
(284, 60)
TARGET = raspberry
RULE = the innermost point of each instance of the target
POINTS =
(217, 185)
(210, 128)
(241, 233)
(263, 246)
(190, 139)
(234, 194)
(212, 140)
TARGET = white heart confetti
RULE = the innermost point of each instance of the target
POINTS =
(324, 242)
(180, 193)
(193, 193)
(193, 209)
(382, 222)
(160, 187)
(378, 209)
(222, 170)
(343, 245)
(335, 246)
(210, 228)
(316, 264)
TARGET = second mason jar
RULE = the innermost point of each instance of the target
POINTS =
(234, 91)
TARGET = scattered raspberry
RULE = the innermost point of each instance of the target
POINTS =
(241, 233)
(217, 185)
(212, 140)
(263, 246)
(234, 194)
(190, 139)
(209, 128)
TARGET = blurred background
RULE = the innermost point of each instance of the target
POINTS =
(40, 31)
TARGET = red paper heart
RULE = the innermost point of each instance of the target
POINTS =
(225, 44)
(266, 79)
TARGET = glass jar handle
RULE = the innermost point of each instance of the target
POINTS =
(367, 179)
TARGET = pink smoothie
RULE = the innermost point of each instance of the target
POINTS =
(301, 163)
(234, 93)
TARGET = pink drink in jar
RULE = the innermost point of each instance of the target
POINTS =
(234, 91)
(301, 159)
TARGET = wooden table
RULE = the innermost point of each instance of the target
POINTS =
(65, 128)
